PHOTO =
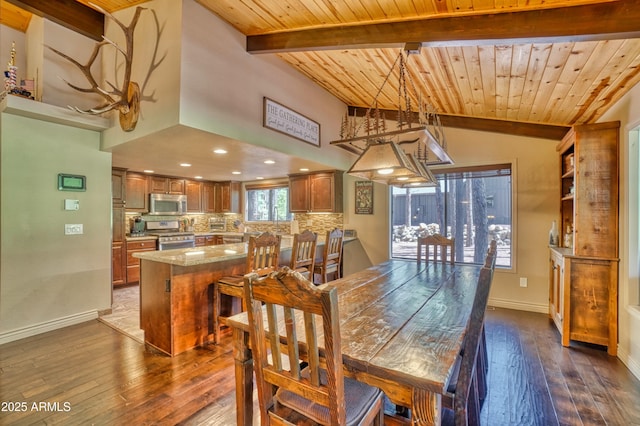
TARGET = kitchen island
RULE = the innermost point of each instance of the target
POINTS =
(176, 291)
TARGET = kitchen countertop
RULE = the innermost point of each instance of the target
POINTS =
(211, 254)
(140, 237)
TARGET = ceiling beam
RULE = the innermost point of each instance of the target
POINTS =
(600, 21)
(68, 13)
(533, 130)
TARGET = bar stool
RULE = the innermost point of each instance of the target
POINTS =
(262, 258)
(331, 260)
(303, 253)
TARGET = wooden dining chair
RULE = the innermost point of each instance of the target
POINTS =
(331, 261)
(302, 325)
(262, 258)
(463, 402)
(303, 253)
(438, 242)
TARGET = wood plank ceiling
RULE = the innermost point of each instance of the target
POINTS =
(510, 66)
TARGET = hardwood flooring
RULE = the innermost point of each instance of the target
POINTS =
(92, 374)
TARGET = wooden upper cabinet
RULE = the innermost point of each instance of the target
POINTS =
(118, 186)
(137, 198)
(209, 190)
(319, 192)
(229, 197)
(166, 185)
(193, 191)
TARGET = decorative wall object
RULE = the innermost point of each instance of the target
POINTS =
(284, 120)
(364, 197)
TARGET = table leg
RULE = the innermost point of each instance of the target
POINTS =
(426, 407)
(244, 377)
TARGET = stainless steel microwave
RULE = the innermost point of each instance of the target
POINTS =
(167, 204)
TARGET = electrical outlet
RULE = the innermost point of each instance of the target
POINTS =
(523, 281)
(73, 229)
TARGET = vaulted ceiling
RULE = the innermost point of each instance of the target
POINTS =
(528, 68)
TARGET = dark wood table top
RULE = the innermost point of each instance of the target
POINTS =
(402, 324)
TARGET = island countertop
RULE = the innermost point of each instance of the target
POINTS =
(211, 254)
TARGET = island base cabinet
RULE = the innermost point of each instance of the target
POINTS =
(176, 303)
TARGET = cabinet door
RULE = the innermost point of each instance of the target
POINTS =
(299, 194)
(118, 266)
(209, 197)
(322, 195)
(118, 186)
(136, 193)
(556, 288)
(158, 185)
(118, 228)
(193, 190)
(201, 241)
(177, 186)
(230, 197)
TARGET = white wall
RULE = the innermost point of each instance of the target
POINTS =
(627, 110)
(47, 279)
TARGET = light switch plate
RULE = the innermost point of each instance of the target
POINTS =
(72, 204)
(73, 229)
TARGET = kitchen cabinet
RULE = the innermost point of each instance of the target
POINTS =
(133, 264)
(193, 191)
(209, 197)
(229, 197)
(118, 255)
(137, 195)
(319, 192)
(206, 240)
(166, 185)
(583, 301)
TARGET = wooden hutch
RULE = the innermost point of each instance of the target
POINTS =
(583, 273)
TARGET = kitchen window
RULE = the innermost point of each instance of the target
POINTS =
(267, 203)
(471, 204)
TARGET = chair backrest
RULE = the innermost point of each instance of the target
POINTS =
(445, 245)
(291, 304)
(263, 253)
(303, 251)
(492, 253)
(472, 346)
(332, 252)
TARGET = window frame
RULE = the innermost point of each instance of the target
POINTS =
(261, 187)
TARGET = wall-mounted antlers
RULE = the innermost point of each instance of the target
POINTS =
(125, 98)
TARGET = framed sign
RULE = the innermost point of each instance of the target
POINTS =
(284, 120)
(364, 197)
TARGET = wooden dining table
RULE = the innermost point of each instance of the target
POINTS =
(402, 326)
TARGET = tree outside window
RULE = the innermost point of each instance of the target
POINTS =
(267, 203)
(472, 205)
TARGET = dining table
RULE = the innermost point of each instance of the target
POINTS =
(402, 327)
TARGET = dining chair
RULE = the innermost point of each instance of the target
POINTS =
(445, 245)
(331, 261)
(463, 401)
(302, 325)
(303, 253)
(262, 258)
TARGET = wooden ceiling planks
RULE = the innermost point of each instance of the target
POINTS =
(14, 17)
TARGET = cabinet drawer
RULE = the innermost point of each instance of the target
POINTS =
(141, 245)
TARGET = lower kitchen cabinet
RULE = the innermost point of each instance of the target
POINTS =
(206, 240)
(583, 294)
(133, 264)
(118, 270)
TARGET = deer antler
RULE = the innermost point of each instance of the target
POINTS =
(126, 99)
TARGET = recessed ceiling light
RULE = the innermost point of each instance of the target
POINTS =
(149, 171)
(197, 177)
(259, 178)
(403, 178)
(269, 162)
(220, 151)
(185, 165)
(236, 173)
(304, 169)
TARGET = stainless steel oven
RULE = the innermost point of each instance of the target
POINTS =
(169, 235)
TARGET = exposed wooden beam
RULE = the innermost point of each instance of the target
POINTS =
(534, 130)
(601, 21)
(68, 13)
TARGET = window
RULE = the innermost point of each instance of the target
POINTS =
(472, 205)
(267, 203)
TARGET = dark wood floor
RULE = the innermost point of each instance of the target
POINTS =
(92, 374)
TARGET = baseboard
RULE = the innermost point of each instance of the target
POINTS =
(44, 327)
(632, 364)
(519, 306)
